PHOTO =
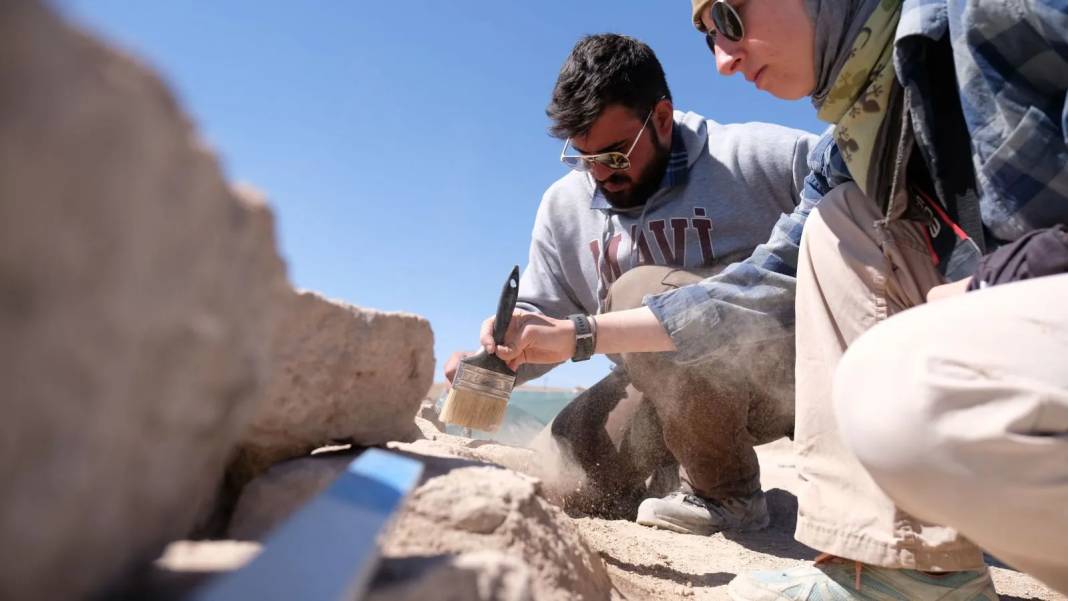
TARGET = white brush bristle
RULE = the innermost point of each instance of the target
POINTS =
(471, 409)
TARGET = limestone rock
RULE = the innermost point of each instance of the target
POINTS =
(136, 303)
(462, 506)
(341, 373)
(274, 495)
(460, 512)
(519, 459)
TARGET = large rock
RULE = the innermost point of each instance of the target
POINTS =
(136, 303)
(273, 496)
(463, 506)
(522, 460)
(341, 373)
(477, 508)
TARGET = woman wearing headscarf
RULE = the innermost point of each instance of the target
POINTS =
(946, 170)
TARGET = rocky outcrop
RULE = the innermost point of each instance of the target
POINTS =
(464, 505)
(136, 303)
(271, 498)
(342, 373)
(476, 508)
(643, 563)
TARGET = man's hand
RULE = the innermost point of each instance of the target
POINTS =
(948, 290)
(531, 338)
(453, 364)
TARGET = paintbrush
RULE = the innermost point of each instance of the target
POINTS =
(483, 382)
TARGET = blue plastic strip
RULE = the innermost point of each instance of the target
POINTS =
(328, 550)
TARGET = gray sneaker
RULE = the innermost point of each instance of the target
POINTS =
(691, 514)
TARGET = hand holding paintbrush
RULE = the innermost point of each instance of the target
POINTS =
(531, 338)
(483, 382)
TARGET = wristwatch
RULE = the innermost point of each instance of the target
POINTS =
(584, 339)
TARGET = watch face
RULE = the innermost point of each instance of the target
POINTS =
(583, 337)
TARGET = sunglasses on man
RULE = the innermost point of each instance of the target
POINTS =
(613, 160)
(726, 22)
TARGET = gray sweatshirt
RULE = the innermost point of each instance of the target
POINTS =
(725, 187)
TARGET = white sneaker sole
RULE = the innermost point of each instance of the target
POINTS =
(649, 517)
(666, 524)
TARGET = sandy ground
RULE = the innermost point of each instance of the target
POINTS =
(645, 563)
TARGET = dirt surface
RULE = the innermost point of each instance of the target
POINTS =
(642, 563)
(646, 563)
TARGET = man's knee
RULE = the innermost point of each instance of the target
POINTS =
(628, 291)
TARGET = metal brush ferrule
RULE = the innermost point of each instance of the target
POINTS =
(489, 383)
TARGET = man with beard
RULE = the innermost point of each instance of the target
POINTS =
(658, 199)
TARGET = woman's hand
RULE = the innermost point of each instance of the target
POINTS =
(948, 290)
(531, 338)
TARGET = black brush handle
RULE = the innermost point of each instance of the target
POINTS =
(506, 306)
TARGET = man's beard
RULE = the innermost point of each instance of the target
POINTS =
(646, 185)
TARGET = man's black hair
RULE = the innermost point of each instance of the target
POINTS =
(603, 70)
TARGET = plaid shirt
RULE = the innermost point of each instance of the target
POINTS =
(1011, 58)
(1012, 62)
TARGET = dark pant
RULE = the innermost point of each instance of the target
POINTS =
(651, 412)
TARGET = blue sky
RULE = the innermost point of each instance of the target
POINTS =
(403, 145)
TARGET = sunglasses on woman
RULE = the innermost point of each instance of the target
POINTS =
(726, 22)
(613, 160)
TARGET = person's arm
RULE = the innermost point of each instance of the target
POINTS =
(543, 287)
(749, 301)
(1036, 254)
(1016, 108)
(949, 290)
(632, 331)
(538, 339)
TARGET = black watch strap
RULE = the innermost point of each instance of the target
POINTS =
(583, 337)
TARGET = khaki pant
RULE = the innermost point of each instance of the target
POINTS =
(852, 275)
(959, 410)
(651, 413)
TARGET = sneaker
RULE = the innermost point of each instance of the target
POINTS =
(841, 580)
(691, 514)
